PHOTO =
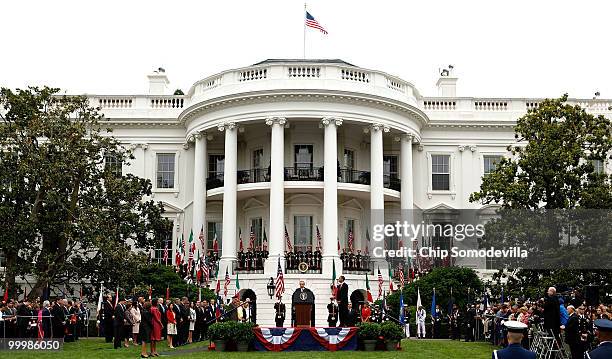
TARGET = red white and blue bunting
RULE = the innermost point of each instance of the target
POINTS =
(276, 339)
(333, 338)
(300, 339)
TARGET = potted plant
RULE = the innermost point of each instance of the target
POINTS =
(244, 336)
(369, 333)
(392, 333)
(218, 333)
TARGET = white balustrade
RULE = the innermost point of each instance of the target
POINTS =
(355, 75)
(115, 102)
(304, 71)
(253, 74)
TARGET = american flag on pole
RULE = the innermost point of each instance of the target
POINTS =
(401, 277)
(351, 240)
(205, 270)
(227, 283)
(252, 239)
(311, 22)
(202, 239)
(318, 239)
(380, 284)
(166, 254)
(241, 249)
(280, 281)
(288, 240)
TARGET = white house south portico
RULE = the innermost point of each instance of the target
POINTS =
(314, 150)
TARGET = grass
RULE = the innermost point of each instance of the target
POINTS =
(413, 349)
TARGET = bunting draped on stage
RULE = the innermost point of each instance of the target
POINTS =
(305, 339)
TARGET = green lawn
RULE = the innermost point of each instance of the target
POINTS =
(413, 349)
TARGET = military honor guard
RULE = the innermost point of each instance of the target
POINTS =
(603, 331)
(514, 350)
(332, 312)
(280, 312)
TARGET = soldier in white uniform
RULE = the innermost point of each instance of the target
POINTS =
(420, 317)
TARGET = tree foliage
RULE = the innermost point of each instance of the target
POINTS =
(552, 201)
(465, 284)
(65, 214)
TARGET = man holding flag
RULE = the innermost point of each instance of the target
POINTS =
(420, 316)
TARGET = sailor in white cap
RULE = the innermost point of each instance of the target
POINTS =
(514, 350)
(604, 334)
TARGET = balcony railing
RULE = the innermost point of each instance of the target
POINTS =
(295, 260)
(303, 173)
(354, 176)
(392, 182)
(214, 180)
(356, 263)
(253, 175)
(250, 261)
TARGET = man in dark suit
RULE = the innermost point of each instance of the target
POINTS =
(342, 298)
(59, 319)
(176, 341)
(164, 319)
(23, 318)
(108, 314)
(183, 328)
(604, 334)
(552, 312)
(514, 350)
(572, 334)
(199, 321)
(119, 323)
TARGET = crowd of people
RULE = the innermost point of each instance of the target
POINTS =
(60, 318)
(570, 319)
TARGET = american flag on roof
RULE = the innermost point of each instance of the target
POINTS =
(311, 22)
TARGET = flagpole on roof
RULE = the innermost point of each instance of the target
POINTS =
(304, 14)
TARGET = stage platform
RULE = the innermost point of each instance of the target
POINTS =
(305, 339)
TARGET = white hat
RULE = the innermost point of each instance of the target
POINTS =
(514, 326)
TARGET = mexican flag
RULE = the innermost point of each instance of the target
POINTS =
(237, 283)
(333, 282)
(369, 298)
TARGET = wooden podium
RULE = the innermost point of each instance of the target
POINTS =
(303, 313)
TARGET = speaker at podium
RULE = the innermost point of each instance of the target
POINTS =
(303, 308)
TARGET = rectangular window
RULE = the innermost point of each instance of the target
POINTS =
(303, 157)
(440, 172)
(257, 228)
(112, 164)
(302, 233)
(349, 159)
(163, 238)
(216, 165)
(165, 170)
(439, 240)
(258, 158)
(348, 228)
(214, 229)
(490, 163)
(390, 166)
(598, 166)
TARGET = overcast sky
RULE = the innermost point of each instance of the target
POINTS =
(533, 48)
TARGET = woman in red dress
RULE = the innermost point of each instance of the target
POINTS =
(366, 312)
(157, 327)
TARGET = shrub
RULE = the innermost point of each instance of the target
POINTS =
(219, 331)
(391, 331)
(369, 330)
(244, 332)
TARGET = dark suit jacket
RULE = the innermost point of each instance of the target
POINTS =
(343, 293)
(119, 314)
(572, 334)
(108, 311)
(552, 315)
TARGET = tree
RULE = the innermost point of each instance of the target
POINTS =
(66, 211)
(465, 284)
(550, 194)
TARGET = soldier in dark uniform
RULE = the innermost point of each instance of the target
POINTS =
(604, 334)
(351, 261)
(350, 317)
(332, 310)
(514, 350)
(470, 323)
(454, 318)
(317, 259)
(344, 258)
(358, 260)
(437, 323)
(280, 312)
(249, 261)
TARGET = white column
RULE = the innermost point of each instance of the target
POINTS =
(377, 196)
(330, 193)
(199, 185)
(228, 251)
(407, 187)
(277, 194)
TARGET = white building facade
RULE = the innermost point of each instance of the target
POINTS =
(307, 146)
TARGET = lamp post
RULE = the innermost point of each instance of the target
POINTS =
(271, 287)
